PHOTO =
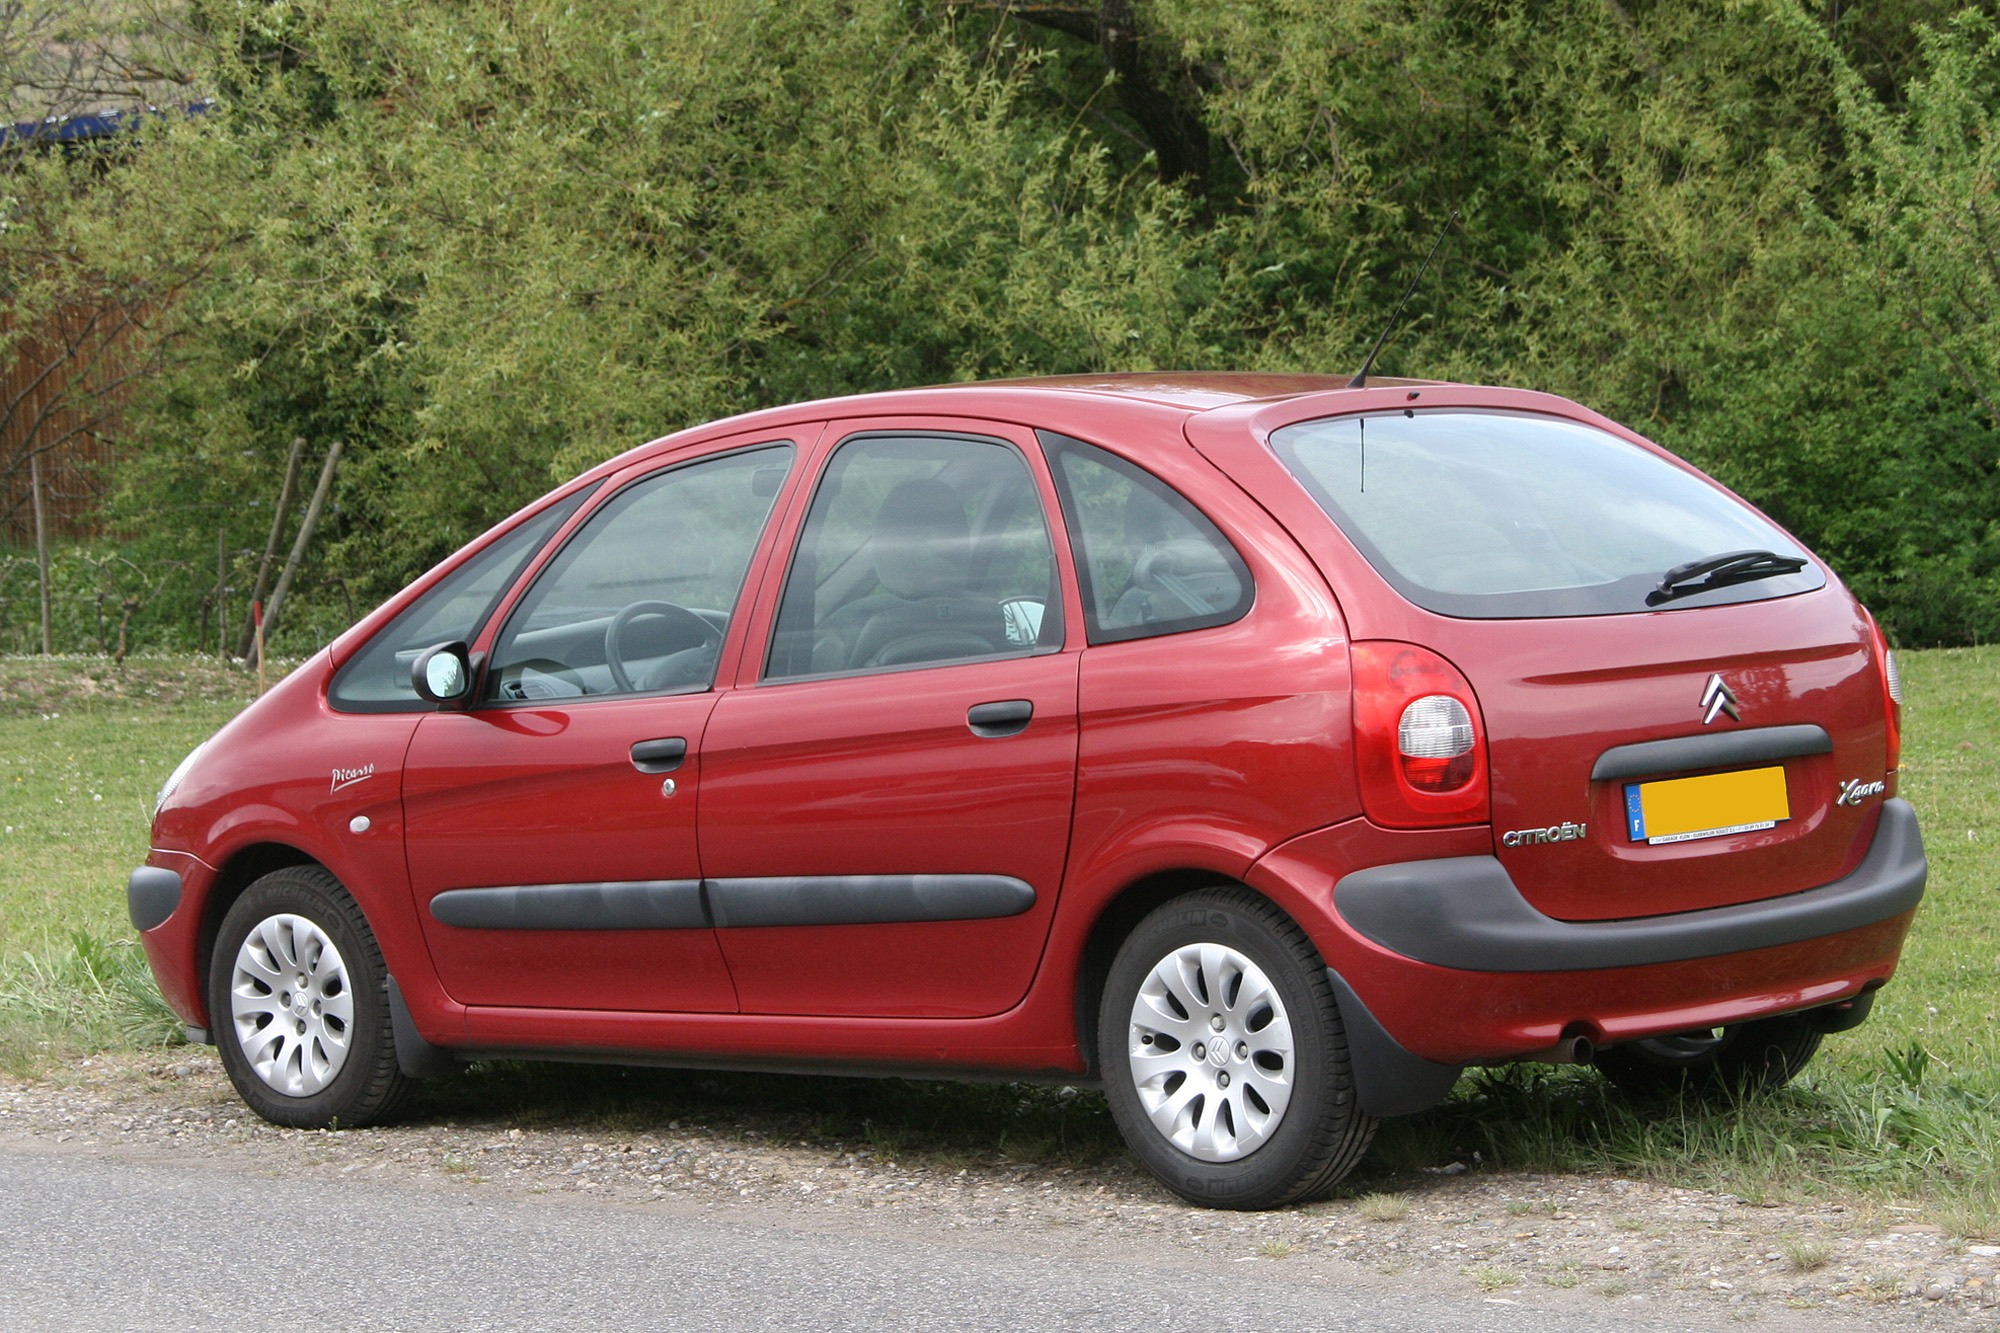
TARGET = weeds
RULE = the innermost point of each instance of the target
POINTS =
(87, 993)
(1974, 1215)
(1383, 1207)
(1803, 1256)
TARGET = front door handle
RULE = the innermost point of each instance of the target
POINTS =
(1005, 717)
(660, 756)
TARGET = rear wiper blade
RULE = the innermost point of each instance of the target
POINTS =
(1720, 571)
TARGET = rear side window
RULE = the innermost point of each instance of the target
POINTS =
(377, 679)
(1150, 563)
(1501, 515)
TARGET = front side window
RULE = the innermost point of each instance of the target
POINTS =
(377, 679)
(638, 600)
(1150, 563)
(919, 549)
(1499, 515)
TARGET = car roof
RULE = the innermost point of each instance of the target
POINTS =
(1197, 390)
(1176, 393)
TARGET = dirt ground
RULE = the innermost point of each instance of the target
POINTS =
(1554, 1241)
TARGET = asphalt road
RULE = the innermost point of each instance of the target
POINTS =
(110, 1246)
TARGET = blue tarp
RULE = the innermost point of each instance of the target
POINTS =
(79, 129)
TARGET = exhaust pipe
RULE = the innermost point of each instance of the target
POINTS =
(1576, 1049)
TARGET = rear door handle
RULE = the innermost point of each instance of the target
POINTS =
(660, 756)
(1005, 717)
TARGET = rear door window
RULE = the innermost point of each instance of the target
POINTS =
(920, 549)
(1498, 515)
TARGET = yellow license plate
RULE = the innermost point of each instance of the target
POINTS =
(1683, 809)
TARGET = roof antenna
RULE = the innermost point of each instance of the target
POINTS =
(1360, 379)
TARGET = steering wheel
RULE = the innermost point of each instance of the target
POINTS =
(614, 657)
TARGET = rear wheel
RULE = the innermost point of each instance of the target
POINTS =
(1224, 1058)
(299, 999)
(1768, 1053)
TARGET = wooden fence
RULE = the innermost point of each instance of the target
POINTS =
(59, 392)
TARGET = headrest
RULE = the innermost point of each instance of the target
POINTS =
(1187, 558)
(922, 541)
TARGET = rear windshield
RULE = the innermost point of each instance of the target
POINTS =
(1498, 515)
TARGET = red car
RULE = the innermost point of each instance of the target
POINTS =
(1264, 749)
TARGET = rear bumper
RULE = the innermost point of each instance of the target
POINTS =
(1440, 963)
(1464, 912)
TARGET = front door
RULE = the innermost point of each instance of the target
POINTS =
(551, 827)
(885, 813)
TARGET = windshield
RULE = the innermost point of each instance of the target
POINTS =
(1495, 515)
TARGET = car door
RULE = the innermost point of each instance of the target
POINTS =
(886, 803)
(551, 826)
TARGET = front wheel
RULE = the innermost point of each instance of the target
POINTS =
(299, 999)
(1224, 1057)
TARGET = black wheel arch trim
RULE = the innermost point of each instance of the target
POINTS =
(1466, 913)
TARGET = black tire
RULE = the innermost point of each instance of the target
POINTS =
(302, 1085)
(1310, 1141)
(1748, 1057)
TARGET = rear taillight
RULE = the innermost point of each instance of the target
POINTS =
(1419, 746)
(1892, 700)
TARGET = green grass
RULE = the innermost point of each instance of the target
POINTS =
(1907, 1106)
(84, 747)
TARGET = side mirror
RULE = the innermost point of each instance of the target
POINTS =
(443, 674)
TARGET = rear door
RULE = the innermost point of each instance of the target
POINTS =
(885, 811)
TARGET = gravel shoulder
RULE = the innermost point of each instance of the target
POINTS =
(1559, 1242)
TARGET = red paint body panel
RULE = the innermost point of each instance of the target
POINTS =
(172, 947)
(1225, 752)
(545, 795)
(267, 778)
(1230, 738)
(1642, 681)
(840, 777)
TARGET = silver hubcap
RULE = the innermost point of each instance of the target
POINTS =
(1211, 1052)
(292, 1005)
